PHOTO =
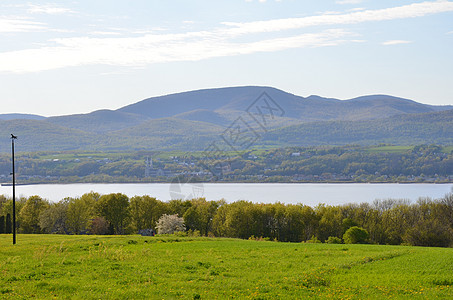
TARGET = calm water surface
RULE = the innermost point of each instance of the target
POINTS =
(306, 193)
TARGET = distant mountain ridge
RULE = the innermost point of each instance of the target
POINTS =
(191, 120)
(312, 108)
(21, 116)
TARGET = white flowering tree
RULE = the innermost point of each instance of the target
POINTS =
(169, 224)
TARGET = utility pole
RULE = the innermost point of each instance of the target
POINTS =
(13, 137)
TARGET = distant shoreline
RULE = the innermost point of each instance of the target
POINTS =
(230, 182)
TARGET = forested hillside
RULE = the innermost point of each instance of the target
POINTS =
(401, 130)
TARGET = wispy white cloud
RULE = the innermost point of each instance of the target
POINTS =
(157, 47)
(451, 32)
(356, 9)
(16, 24)
(105, 33)
(396, 42)
(401, 12)
(151, 49)
(349, 1)
(48, 9)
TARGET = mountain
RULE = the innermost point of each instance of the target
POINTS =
(209, 99)
(206, 115)
(99, 121)
(36, 135)
(427, 128)
(192, 120)
(21, 116)
(168, 134)
(236, 100)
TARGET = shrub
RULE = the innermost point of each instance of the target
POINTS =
(181, 233)
(99, 226)
(193, 233)
(355, 235)
(334, 240)
(313, 240)
(260, 239)
(169, 224)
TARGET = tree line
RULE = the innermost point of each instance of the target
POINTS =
(428, 222)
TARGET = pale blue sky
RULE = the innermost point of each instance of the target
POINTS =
(66, 57)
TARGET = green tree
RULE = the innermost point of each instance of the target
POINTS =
(30, 212)
(429, 233)
(396, 221)
(178, 207)
(200, 215)
(219, 221)
(242, 220)
(299, 223)
(355, 235)
(348, 223)
(115, 209)
(53, 219)
(3, 200)
(80, 212)
(274, 221)
(330, 221)
(145, 212)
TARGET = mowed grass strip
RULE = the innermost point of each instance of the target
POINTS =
(172, 267)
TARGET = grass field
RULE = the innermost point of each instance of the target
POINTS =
(135, 267)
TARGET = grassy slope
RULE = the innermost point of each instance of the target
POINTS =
(87, 267)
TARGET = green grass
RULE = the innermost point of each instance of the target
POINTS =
(447, 149)
(135, 267)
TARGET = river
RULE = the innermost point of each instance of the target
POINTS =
(305, 193)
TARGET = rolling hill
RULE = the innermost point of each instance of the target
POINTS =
(35, 135)
(99, 121)
(192, 120)
(427, 128)
(21, 116)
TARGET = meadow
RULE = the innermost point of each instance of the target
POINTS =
(178, 267)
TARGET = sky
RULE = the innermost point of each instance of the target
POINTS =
(67, 57)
